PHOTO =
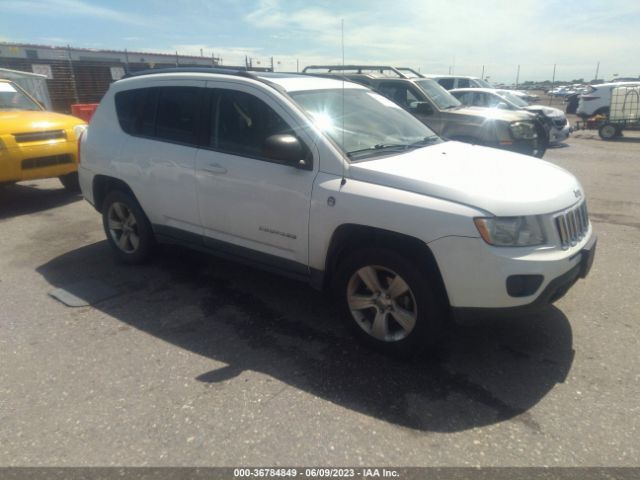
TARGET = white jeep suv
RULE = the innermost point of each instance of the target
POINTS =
(329, 182)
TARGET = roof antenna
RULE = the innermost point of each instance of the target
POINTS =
(344, 167)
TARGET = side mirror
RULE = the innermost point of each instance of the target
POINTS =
(423, 108)
(287, 149)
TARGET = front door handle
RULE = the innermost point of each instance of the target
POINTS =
(215, 169)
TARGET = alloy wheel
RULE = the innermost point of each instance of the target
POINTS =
(123, 227)
(382, 303)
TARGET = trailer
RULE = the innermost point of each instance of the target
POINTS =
(624, 112)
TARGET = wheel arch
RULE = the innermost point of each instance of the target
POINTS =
(104, 184)
(348, 237)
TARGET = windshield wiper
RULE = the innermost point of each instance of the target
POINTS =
(380, 147)
(396, 146)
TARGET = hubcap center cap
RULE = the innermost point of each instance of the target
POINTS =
(384, 301)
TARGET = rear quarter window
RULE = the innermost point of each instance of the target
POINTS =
(163, 113)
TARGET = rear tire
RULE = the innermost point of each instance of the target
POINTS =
(70, 182)
(388, 302)
(127, 228)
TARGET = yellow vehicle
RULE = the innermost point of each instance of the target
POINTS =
(35, 143)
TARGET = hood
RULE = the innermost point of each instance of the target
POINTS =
(496, 181)
(548, 111)
(22, 121)
(482, 113)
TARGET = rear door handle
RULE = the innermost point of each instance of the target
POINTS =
(215, 169)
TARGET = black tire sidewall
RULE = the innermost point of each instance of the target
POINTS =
(431, 312)
(145, 231)
(604, 137)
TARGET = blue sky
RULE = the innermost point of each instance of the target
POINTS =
(430, 35)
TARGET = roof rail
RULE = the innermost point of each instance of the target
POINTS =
(411, 70)
(357, 68)
(223, 71)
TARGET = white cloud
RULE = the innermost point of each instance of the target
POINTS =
(437, 35)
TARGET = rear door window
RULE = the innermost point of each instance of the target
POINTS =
(463, 83)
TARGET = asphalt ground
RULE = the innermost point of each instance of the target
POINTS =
(198, 361)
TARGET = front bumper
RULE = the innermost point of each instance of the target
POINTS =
(475, 274)
(40, 160)
(557, 135)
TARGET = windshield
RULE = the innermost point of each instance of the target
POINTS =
(514, 99)
(13, 99)
(371, 124)
(438, 95)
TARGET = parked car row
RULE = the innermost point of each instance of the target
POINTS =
(451, 82)
(340, 185)
(554, 118)
(515, 130)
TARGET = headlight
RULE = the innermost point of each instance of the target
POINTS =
(78, 129)
(523, 130)
(510, 231)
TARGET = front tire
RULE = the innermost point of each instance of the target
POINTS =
(388, 302)
(127, 228)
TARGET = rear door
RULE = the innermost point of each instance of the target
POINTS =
(158, 158)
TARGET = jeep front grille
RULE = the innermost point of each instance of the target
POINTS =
(50, 161)
(572, 225)
(39, 136)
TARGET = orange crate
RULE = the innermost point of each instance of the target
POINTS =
(84, 110)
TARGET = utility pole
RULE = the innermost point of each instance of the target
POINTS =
(272, 64)
(177, 59)
(518, 76)
(553, 81)
(126, 60)
(73, 75)
(597, 70)
(297, 65)
(482, 75)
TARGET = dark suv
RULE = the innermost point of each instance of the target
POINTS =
(434, 106)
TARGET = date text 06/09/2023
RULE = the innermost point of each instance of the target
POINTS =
(315, 473)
